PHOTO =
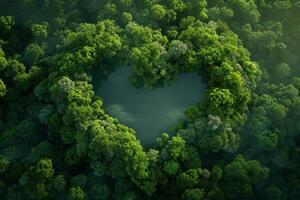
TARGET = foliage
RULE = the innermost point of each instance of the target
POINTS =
(58, 142)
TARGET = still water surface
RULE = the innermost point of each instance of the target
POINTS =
(149, 112)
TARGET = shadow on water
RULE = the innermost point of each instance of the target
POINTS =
(149, 112)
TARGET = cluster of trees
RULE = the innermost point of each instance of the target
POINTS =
(58, 142)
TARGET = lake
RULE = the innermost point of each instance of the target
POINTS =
(149, 112)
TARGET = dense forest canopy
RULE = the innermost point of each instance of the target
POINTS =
(57, 141)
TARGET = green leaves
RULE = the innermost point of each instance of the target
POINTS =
(171, 167)
(99, 192)
(57, 141)
(76, 193)
(193, 194)
(158, 12)
(102, 36)
(246, 174)
(33, 53)
(176, 50)
(220, 101)
(2, 88)
(6, 25)
(4, 165)
(188, 179)
(43, 170)
(238, 10)
(149, 64)
(40, 31)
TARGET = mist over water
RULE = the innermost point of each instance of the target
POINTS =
(149, 112)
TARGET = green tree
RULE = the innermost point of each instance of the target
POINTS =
(3, 89)
(40, 31)
(245, 174)
(193, 194)
(99, 192)
(6, 26)
(189, 178)
(32, 53)
(4, 165)
(76, 193)
(43, 170)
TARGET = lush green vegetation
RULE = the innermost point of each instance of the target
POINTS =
(58, 142)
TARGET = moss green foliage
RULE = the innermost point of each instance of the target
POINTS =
(58, 142)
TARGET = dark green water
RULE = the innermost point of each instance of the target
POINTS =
(149, 112)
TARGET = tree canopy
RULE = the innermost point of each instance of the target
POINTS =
(57, 140)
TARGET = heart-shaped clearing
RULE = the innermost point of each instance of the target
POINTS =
(149, 112)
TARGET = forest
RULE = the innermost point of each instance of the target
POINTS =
(241, 142)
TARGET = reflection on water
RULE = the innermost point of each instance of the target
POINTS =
(149, 112)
